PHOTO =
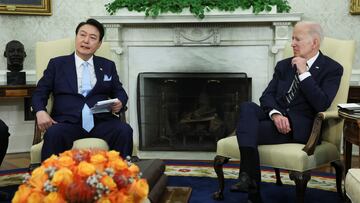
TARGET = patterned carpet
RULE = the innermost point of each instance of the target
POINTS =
(12, 177)
(321, 181)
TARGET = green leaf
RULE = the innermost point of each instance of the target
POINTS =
(197, 7)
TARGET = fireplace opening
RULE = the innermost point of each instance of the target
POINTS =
(188, 111)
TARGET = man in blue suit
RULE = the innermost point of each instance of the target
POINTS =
(302, 86)
(77, 82)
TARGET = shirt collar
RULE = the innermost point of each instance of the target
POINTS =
(311, 61)
(79, 61)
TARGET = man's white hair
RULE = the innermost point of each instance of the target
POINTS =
(314, 29)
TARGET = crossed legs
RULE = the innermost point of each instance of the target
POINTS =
(254, 128)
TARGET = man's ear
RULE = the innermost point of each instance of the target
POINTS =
(316, 43)
(5, 54)
(100, 43)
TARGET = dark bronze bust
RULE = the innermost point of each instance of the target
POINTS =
(15, 54)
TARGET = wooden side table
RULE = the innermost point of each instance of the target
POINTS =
(354, 94)
(19, 91)
(351, 132)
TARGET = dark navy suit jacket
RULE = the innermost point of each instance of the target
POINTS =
(60, 79)
(315, 95)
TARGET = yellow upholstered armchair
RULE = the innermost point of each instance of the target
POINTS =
(300, 159)
(44, 52)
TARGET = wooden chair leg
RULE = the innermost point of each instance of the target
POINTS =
(278, 177)
(339, 169)
(219, 161)
(301, 179)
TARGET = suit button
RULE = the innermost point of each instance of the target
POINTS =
(287, 109)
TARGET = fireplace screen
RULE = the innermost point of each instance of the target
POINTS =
(188, 111)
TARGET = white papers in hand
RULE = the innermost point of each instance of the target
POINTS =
(103, 106)
(349, 106)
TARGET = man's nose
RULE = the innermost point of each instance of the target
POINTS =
(292, 43)
(86, 39)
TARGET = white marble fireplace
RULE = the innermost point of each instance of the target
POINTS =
(181, 43)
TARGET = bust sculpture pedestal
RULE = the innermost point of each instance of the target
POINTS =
(16, 78)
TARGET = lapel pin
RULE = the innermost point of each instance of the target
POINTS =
(101, 69)
(317, 67)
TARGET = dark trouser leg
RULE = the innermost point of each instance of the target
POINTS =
(59, 138)
(250, 163)
(117, 134)
(256, 128)
(4, 140)
(250, 168)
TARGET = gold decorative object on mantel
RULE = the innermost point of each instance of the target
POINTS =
(355, 7)
(11, 7)
(26, 7)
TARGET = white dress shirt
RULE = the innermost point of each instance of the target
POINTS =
(79, 70)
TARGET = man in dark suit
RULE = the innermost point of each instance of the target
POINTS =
(77, 82)
(4, 142)
(302, 86)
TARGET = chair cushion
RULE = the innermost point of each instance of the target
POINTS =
(85, 143)
(352, 184)
(90, 143)
(35, 153)
(285, 156)
(228, 147)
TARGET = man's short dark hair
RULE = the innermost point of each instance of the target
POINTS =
(94, 23)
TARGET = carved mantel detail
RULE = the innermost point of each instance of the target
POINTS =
(196, 36)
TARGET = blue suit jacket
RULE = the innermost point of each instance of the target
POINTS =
(60, 79)
(315, 94)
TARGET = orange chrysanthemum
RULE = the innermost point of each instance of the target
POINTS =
(84, 176)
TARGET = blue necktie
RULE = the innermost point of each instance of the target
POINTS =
(87, 116)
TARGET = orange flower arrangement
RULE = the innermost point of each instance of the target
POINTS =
(84, 176)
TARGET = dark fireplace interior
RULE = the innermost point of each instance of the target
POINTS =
(188, 111)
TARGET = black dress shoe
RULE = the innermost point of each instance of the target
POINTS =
(4, 196)
(254, 197)
(245, 184)
(134, 159)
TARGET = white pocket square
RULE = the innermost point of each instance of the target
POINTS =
(107, 78)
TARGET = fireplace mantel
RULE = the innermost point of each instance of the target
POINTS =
(220, 42)
(125, 18)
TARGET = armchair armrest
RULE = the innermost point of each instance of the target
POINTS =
(37, 134)
(330, 114)
(311, 144)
